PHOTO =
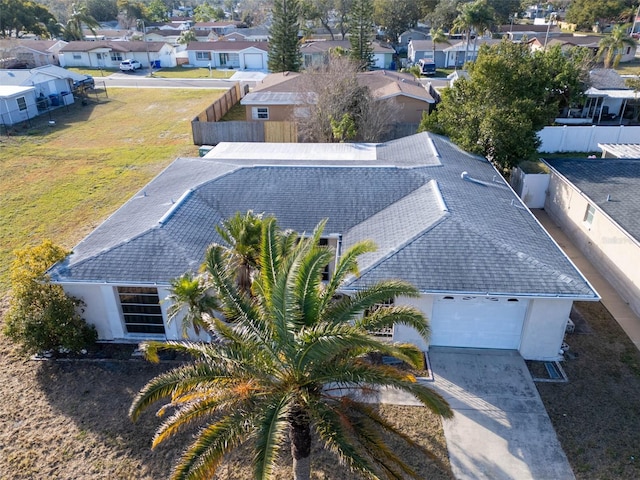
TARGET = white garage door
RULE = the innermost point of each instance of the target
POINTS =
(477, 322)
(253, 61)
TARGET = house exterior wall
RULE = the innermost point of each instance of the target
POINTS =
(412, 109)
(608, 247)
(382, 60)
(10, 112)
(278, 113)
(236, 60)
(544, 328)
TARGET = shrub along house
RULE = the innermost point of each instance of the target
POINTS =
(444, 220)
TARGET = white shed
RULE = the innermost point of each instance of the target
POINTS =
(17, 104)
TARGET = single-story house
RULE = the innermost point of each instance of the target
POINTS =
(284, 96)
(53, 85)
(456, 52)
(418, 49)
(17, 104)
(221, 54)
(413, 34)
(29, 53)
(596, 202)
(567, 41)
(110, 54)
(164, 35)
(220, 28)
(443, 219)
(608, 99)
(253, 34)
(316, 52)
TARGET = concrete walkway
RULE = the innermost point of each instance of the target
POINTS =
(500, 429)
(620, 310)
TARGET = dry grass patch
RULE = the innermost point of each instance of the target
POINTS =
(597, 413)
(60, 182)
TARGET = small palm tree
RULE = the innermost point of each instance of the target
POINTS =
(438, 36)
(612, 46)
(79, 18)
(289, 363)
(190, 293)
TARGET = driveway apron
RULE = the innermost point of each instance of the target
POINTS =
(500, 428)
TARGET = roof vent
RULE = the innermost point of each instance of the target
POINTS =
(608, 198)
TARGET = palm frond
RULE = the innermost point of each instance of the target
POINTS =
(270, 436)
(348, 264)
(387, 316)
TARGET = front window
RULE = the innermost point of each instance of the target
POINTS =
(22, 103)
(589, 214)
(385, 332)
(116, 57)
(141, 310)
(224, 58)
(203, 55)
(260, 113)
(77, 56)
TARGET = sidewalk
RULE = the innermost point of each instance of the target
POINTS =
(627, 319)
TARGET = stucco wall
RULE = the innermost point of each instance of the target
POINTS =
(608, 248)
(402, 333)
(544, 328)
(412, 109)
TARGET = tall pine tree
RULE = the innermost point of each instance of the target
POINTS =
(361, 33)
(284, 48)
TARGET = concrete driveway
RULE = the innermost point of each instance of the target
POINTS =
(500, 429)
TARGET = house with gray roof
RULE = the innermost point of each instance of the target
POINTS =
(443, 219)
(597, 203)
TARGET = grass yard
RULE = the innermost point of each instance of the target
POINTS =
(182, 72)
(60, 182)
(597, 413)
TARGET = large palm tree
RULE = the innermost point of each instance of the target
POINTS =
(78, 19)
(289, 363)
(189, 295)
(612, 46)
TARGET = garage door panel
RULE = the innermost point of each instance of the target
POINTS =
(477, 322)
(253, 61)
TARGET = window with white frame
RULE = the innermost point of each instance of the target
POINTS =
(141, 310)
(77, 56)
(116, 57)
(589, 214)
(22, 103)
(260, 113)
(203, 55)
(386, 331)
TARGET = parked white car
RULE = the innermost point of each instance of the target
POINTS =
(129, 64)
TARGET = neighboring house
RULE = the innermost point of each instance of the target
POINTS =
(316, 53)
(519, 33)
(110, 35)
(455, 53)
(53, 85)
(489, 276)
(285, 96)
(166, 35)
(413, 34)
(567, 41)
(110, 54)
(419, 49)
(253, 34)
(219, 28)
(30, 53)
(608, 100)
(17, 104)
(242, 55)
(596, 202)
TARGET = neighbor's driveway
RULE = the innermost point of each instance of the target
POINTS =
(500, 428)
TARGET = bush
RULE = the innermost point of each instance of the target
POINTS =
(41, 316)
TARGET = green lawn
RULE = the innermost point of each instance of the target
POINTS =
(61, 181)
(629, 68)
(94, 72)
(182, 72)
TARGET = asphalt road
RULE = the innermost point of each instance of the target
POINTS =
(140, 79)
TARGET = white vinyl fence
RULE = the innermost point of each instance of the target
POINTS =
(569, 138)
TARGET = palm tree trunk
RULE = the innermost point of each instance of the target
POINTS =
(300, 445)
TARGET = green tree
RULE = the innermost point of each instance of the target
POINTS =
(18, 17)
(287, 365)
(41, 317)
(612, 46)
(438, 36)
(510, 95)
(158, 11)
(361, 33)
(204, 12)
(320, 11)
(395, 17)
(585, 13)
(478, 16)
(79, 19)
(284, 47)
(445, 13)
(131, 12)
(187, 36)
(102, 10)
(188, 295)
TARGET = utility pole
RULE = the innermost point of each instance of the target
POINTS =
(546, 37)
(146, 45)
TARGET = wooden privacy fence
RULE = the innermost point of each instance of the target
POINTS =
(221, 106)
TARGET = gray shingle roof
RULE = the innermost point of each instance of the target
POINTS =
(600, 177)
(433, 228)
